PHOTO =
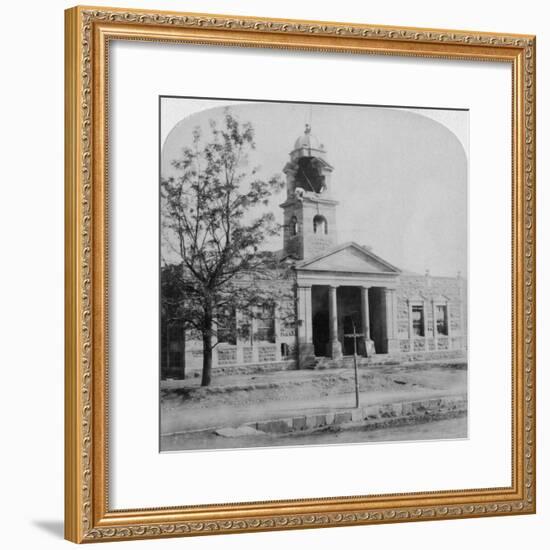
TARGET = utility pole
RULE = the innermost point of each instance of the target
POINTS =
(355, 335)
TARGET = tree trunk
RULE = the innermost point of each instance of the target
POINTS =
(207, 352)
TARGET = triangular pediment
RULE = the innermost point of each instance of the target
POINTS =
(349, 257)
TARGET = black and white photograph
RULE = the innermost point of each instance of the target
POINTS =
(313, 273)
(284, 266)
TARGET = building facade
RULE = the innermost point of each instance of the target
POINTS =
(346, 299)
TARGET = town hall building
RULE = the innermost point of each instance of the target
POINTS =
(346, 298)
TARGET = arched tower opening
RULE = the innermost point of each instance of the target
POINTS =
(320, 225)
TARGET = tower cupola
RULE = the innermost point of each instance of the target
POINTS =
(309, 210)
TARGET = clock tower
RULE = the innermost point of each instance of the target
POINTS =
(309, 210)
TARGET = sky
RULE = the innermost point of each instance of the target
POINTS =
(400, 174)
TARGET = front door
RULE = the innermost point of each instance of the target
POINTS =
(320, 333)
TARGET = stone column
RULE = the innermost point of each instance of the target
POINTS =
(449, 323)
(334, 346)
(462, 313)
(238, 340)
(309, 318)
(450, 345)
(253, 344)
(368, 343)
(394, 315)
(392, 342)
(434, 317)
(277, 332)
(411, 332)
(425, 323)
(306, 354)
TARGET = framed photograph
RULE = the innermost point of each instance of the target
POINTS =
(300, 274)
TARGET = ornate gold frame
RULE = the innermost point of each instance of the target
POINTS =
(88, 32)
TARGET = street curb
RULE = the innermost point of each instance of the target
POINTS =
(412, 409)
(372, 416)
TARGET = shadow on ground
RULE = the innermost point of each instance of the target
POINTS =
(52, 527)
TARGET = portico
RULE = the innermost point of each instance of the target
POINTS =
(346, 290)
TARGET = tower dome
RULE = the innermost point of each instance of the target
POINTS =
(308, 141)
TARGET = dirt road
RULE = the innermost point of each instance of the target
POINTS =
(234, 400)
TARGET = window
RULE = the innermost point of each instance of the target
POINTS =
(442, 320)
(418, 320)
(226, 325)
(285, 350)
(265, 324)
(244, 327)
(320, 225)
(294, 226)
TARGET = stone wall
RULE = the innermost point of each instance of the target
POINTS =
(281, 351)
(425, 291)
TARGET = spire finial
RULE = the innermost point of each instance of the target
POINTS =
(308, 129)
